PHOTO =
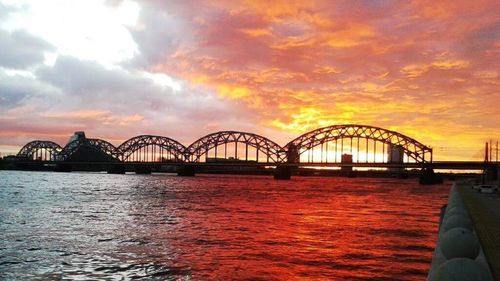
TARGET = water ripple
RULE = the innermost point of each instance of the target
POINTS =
(161, 227)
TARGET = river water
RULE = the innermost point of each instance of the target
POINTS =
(212, 227)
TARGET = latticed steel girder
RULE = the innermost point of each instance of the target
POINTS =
(31, 149)
(273, 151)
(412, 148)
(132, 145)
(100, 144)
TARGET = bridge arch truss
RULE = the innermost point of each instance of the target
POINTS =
(40, 150)
(360, 141)
(148, 148)
(247, 146)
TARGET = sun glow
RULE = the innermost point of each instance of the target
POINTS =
(89, 30)
(360, 156)
(280, 69)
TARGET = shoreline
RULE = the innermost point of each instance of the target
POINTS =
(467, 244)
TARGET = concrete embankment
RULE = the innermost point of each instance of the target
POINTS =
(460, 249)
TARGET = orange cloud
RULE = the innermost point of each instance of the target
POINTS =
(425, 68)
(256, 32)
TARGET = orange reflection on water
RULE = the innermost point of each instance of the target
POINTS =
(99, 226)
(247, 228)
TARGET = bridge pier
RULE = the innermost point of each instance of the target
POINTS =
(492, 172)
(402, 175)
(186, 171)
(116, 169)
(142, 169)
(283, 173)
(427, 177)
(62, 167)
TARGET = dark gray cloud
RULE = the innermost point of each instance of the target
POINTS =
(20, 49)
(17, 89)
(13, 90)
(118, 90)
(79, 77)
(159, 34)
(118, 93)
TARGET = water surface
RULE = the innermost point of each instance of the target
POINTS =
(114, 227)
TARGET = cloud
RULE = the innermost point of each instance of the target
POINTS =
(109, 103)
(15, 88)
(426, 69)
(121, 90)
(158, 34)
(21, 49)
(310, 64)
(483, 41)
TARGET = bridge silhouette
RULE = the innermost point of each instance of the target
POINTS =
(328, 142)
(344, 146)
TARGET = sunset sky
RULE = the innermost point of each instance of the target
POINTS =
(183, 69)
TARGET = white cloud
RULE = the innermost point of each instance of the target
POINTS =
(163, 80)
(89, 30)
(86, 75)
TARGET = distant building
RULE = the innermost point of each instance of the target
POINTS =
(77, 136)
(346, 159)
(81, 149)
(9, 158)
(226, 160)
(396, 154)
(292, 155)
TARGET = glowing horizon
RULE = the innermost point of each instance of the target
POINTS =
(186, 69)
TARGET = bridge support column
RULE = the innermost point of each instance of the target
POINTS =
(283, 173)
(492, 172)
(142, 169)
(186, 171)
(62, 167)
(116, 169)
(427, 176)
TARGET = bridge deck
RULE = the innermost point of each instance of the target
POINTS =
(451, 165)
(485, 212)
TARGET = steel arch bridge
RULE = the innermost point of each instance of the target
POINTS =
(98, 144)
(40, 150)
(319, 138)
(272, 151)
(163, 149)
(318, 145)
